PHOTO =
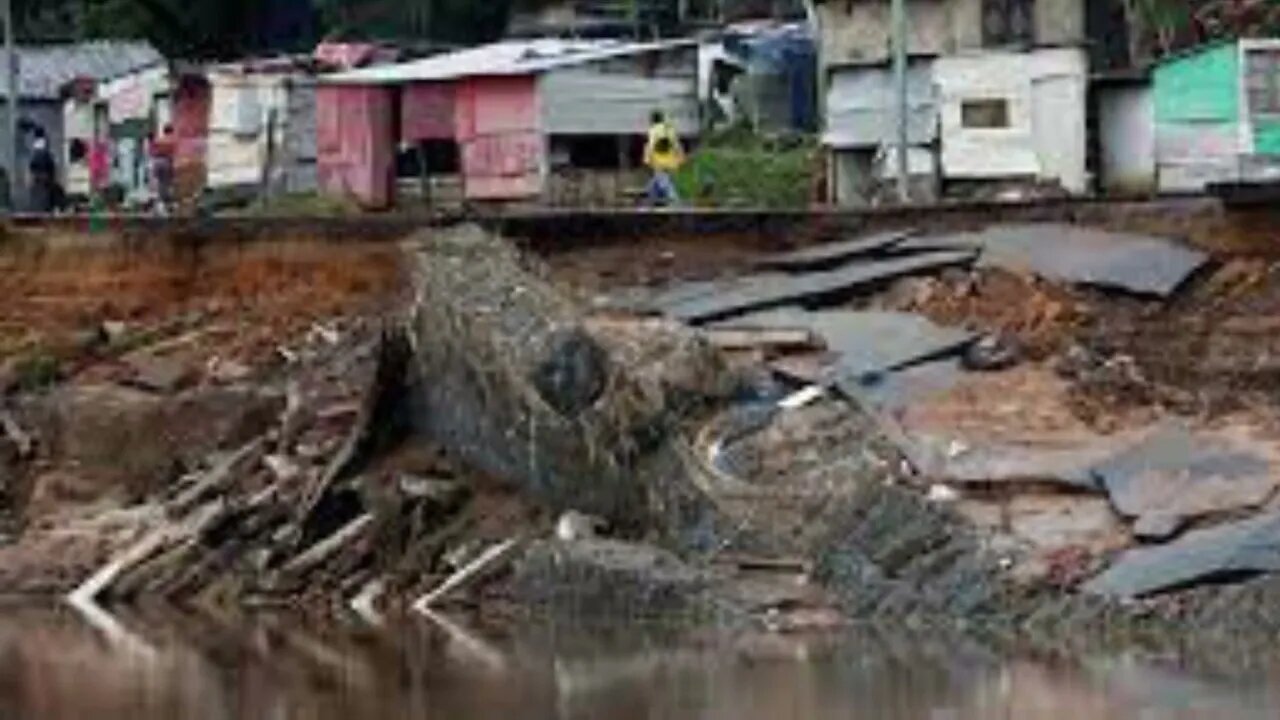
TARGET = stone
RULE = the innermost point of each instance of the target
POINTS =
(157, 374)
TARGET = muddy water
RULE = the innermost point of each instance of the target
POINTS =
(165, 666)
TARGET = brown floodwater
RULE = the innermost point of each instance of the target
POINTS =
(164, 666)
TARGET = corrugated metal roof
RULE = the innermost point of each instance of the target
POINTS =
(44, 69)
(512, 57)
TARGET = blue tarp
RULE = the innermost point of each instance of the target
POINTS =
(787, 55)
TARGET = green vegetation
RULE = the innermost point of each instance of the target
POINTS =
(739, 169)
(37, 370)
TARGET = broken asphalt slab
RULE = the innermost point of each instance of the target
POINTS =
(833, 253)
(888, 359)
(765, 290)
(1246, 547)
(1142, 264)
(1174, 475)
(869, 342)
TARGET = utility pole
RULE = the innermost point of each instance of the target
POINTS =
(899, 19)
(11, 106)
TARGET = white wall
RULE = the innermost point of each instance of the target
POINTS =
(862, 106)
(1045, 93)
(1126, 127)
(242, 106)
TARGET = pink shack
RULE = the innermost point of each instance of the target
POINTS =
(508, 119)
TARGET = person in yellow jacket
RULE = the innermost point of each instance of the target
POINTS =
(663, 155)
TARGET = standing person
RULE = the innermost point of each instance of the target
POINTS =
(663, 155)
(163, 150)
(44, 174)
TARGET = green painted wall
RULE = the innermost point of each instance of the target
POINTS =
(1266, 137)
(1203, 87)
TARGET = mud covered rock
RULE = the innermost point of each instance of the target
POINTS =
(610, 579)
(126, 443)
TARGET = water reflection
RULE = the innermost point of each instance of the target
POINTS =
(202, 666)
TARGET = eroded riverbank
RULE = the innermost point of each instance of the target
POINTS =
(372, 431)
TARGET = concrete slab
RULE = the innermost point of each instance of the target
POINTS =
(833, 253)
(767, 290)
(1142, 264)
(1249, 546)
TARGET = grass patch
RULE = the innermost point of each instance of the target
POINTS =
(312, 204)
(740, 169)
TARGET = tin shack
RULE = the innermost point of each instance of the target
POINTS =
(540, 121)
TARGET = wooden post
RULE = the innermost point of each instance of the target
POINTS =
(424, 173)
(268, 166)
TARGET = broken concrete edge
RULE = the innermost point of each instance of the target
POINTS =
(832, 253)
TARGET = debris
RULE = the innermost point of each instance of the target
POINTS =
(992, 353)
(87, 593)
(381, 422)
(284, 469)
(21, 440)
(942, 494)
(330, 546)
(443, 492)
(832, 253)
(745, 338)
(1177, 476)
(216, 480)
(365, 603)
(802, 398)
(227, 372)
(573, 526)
(114, 331)
(488, 562)
(768, 290)
(1245, 547)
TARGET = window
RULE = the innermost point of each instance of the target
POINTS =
(1262, 80)
(1008, 22)
(985, 114)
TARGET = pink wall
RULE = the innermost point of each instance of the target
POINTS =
(499, 136)
(354, 143)
(427, 112)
